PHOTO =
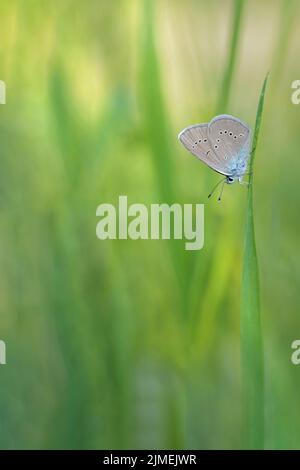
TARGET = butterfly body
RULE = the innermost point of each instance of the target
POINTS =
(223, 144)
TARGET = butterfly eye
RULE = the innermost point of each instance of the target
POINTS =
(204, 140)
(218, 140)
(225, 157)
(220, 132)
(230, 133)
(241, 135)
(225, 132)
(235, 137)
(199, 141)
(216, 146)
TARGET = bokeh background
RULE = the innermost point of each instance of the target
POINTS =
(135, 344)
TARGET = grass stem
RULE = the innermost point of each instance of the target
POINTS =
(251, 333)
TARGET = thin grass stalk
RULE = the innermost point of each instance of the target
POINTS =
(251, 332)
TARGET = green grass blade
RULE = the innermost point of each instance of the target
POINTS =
(232, 54)
(156, 124)
(251, 334)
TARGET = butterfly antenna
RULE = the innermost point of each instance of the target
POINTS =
(220, 197)
(215, 187)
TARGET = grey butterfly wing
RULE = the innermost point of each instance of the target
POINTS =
(195, 140)
(230, 139)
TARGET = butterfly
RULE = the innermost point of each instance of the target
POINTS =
(223, 144)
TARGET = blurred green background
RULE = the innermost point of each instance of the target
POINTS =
(135, 344)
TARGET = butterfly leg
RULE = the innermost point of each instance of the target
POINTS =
(247, 173)
(245, 183)
(220, 197)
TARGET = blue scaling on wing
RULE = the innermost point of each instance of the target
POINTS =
(238, 164)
